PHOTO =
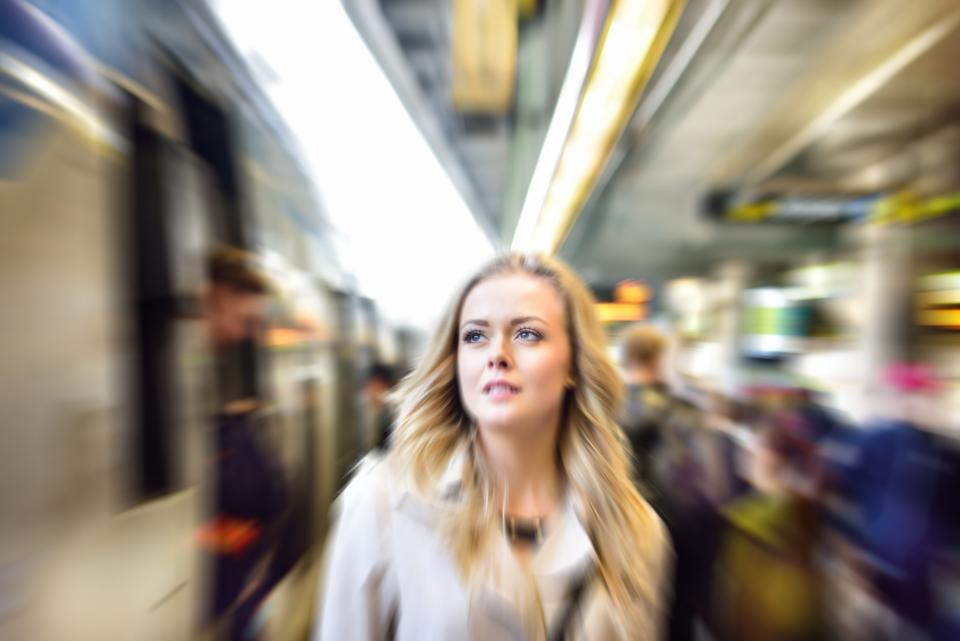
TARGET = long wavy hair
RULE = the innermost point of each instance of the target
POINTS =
(433, 425)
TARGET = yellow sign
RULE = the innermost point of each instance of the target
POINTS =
(484, 51)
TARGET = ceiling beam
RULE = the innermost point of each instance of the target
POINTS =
(797, 123)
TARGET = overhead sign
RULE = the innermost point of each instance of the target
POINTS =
(728, 207)
(898, 208)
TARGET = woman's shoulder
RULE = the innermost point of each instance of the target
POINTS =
(371, 482)
(366, 500)
(386, 482)
(361, 518)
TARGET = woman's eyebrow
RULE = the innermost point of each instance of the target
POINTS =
(520, 320)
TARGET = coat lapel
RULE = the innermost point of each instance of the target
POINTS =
(495, 611)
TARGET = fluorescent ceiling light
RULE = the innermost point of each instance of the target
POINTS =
(855, 95)
(635, 35)
(560, 123)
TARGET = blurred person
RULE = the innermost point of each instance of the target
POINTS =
(236, 297)
(903, 484)
(696, 473)
(647, 398)
(380, 381)
(250, 493)
(685, 500)
(767, 583)
(820, 422)
(732, 446)
(505, 508)
(681, 466)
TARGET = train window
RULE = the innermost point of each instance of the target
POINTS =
(190, 199)
(210, 134)
(152, 308)
(210, 139)
(178, 209)
(189, 195)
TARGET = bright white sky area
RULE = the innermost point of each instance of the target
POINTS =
(405, 233)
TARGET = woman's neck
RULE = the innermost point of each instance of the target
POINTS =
(525, 471)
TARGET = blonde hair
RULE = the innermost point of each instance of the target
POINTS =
(432, 425)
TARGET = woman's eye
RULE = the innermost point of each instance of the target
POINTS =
(472, 336)
(527, 334)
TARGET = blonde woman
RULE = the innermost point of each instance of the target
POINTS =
(505, 509)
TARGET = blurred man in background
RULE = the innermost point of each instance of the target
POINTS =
(250, 494)
(236, 298)
(666, 434)
(647, 399)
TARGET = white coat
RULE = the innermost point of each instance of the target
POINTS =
(387, 562)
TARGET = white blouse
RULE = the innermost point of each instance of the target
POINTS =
(387, 565)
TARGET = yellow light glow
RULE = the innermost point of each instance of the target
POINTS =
(939, 318)
(577, 160)
(621, 312)
(595, 112)
(281, 337)
(631, 291)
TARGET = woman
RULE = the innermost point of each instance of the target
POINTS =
(505, 509)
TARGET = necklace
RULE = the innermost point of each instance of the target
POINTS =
(524, 530)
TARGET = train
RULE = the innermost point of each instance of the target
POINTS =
(134, 139)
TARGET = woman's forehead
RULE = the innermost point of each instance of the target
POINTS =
(511, 294)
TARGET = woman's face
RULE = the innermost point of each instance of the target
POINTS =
(513, 355)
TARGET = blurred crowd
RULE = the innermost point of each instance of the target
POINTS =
(790, 523)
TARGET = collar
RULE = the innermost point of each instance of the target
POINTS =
(566, 548)
(563, 556)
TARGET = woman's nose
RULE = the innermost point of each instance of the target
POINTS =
(498, 361)
(498, 357)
